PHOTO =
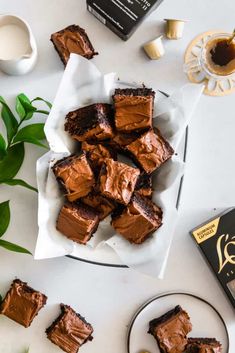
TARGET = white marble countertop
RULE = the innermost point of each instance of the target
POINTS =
(109, 297)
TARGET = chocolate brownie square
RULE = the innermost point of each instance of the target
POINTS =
(170, 330)
(117, 181)
(70, 330)
(101, 204)
(75, 176)
(91, 123)
(138, 220)
(150, 151)
(72, 39)
(78, 222)
(97, 153)
(144, 185)
(22, 303)
(133, 109)
(203, 345)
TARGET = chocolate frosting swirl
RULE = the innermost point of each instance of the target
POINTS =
(133, 112)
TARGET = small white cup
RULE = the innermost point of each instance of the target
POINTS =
(24, 63)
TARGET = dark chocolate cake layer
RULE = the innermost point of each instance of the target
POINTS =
(141, 91)
(72, 39)
(70, 330)
(144, 185)
(203, 345)
(91, 123)
(22, 303)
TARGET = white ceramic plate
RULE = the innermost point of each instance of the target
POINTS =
(206, 321)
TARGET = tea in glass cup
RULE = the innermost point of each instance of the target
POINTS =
(216, 57)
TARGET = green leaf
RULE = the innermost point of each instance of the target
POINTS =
(9, 120)
(5, 216)
(43, 100)
(24, 105)
(0, 298)
(11, 163)
(14, 182)
(20, 108)
(24, 99)
(43, 112)
(35, 130)
(2, 147)
(13, 247)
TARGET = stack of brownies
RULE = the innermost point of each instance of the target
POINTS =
(96, 184)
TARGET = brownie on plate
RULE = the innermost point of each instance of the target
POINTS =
(75, 176)
(90, 123)
(22, 303)
(70, 330)
(77, 222)
(72, 39)
(133, 109)
(203, 345)
(170, 330)
(150, 150)
(100, 203)
(138, 220)
(117, 181)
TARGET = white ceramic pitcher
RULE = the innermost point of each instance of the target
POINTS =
(20, 63)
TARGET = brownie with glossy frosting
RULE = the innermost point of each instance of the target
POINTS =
(72, 39)
(97, 153)
(101, 204)
(150, 150)
(78, 222)
(117, 181)
(133, 109)
(138, 220)
(70, 330)
(203, 345)
(22, 303)
(170, 330)
(75, 176)
(90, 123)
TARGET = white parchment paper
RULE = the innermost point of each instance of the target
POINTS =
(83, 84)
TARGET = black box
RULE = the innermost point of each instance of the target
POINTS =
(122, 16)
(216, 239)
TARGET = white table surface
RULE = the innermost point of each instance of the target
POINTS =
(109, 297)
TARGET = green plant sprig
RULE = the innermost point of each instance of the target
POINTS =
(5, 216)
(12, 152)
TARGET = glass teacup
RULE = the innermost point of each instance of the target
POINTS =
(215, 58)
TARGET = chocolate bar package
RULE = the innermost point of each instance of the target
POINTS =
(216, 239)
(122, 16)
